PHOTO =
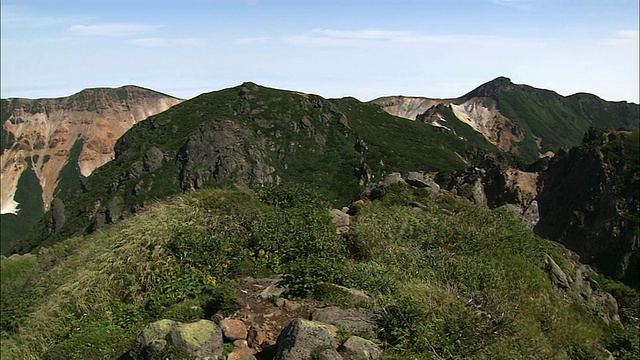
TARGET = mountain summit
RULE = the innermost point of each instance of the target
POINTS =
(520, 119)
(491, 88)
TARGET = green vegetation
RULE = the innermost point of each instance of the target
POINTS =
(452, 281)
(560, 121)
(29, 197)
(69, 176)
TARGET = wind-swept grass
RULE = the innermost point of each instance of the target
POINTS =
(452, 280)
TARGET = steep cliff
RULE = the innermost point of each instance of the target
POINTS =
(59, 139)
(590, 201)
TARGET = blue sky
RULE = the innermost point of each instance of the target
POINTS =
(334, 48)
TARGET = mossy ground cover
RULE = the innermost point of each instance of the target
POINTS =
(452, 281)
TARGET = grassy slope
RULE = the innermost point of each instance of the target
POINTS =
(422, 267)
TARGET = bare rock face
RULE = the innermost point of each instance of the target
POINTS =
(587, 198)
(43, 132)
(484, 117)
(494, 185)
(408, 107)
(220, 151)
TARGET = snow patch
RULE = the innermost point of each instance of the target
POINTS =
(10, 206)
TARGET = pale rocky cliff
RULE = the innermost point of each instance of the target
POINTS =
(42, 133)
(408, 107)
(480, 113)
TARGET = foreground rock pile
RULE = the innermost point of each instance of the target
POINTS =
(268, 326)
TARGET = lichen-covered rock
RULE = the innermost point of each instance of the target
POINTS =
(341, 220)
(202, 338)
(357, 348)
(557, 276)
(393, 179)
(351, 320)
(152, 339)
(420, 180)
(301, 338)
(329, 354)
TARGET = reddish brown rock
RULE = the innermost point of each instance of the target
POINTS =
(257, 337)
(233, 329)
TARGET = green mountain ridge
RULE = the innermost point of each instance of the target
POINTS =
(251, 136)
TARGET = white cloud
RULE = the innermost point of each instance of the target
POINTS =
(331, 37)
(112, 29)
(20, 17)
(625, 38)
(167, 42)
(254, 40)
(376, 37)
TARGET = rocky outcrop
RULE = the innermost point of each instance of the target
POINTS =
(202, 339)
(493, 184)
(41, 133)
(301, 338)
(587, 200)
(223, 150)
(576, 282)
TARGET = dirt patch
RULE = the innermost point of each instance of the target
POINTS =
(266, 318)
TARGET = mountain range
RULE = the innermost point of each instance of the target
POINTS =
(519, 119)
(141, 206)
(251, 135)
